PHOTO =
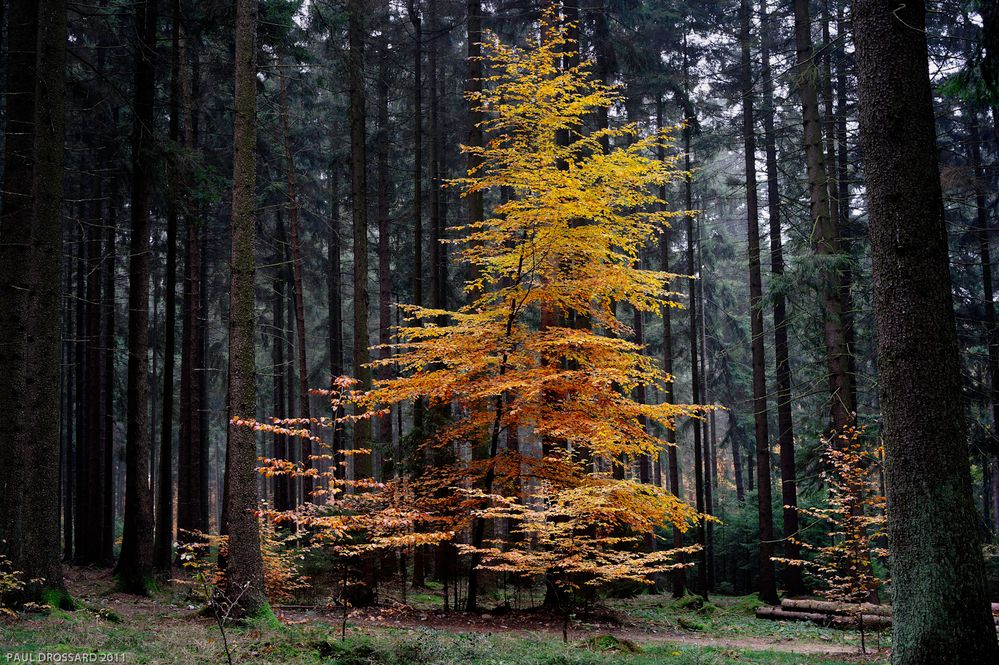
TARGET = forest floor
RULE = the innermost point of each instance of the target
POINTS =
(167, 628)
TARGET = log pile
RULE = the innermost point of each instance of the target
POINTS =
(837, 615)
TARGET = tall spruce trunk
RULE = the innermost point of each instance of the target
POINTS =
(81, 503)
(192, 455)
(706, 427)
(93, 379)
(282, 499)
(243, 564)
(359, 223)
(417, 274)
(163, 546)
(437, 279)
(30, 293)
(825, 234)
(67, 466)
(294, 482)
(793, 583)
(308, 482)
(678, 578)
(384, 189)
(767, 576)
(108, 372)
(134, 569)
(940, 607)
(983, 233)
(695, 382)
(334, 306)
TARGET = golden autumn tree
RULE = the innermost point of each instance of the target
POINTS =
(855, 515)
(514, 372)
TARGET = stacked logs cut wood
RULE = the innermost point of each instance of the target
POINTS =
(837, 615)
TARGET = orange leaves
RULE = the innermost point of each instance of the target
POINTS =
(591, 534)
(855, 513)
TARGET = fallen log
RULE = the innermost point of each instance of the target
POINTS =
(870, 621)
(830, 607)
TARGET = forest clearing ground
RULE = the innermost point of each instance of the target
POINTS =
(168, 629)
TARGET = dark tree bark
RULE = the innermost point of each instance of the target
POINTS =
(294, 482)
(192, 462)
(94, 380)
(438, 274)
(82, 526)
(359, 187)
(983, 232)
(134, 569)
(108, 371)
(678, 577)
(740, 483)
(940, 607)
(308, 483)
(384, 189)
(335, 304)
(767, 576)
(473, 86)
(417, 275)
(192, 457)
(67, 469)
(282, 498)
(695, 383)
(163, 546)
(243, 565)
(793, 584)
(705, 425)
(825, 235)
(30, 291)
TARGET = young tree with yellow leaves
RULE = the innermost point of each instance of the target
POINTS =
(855, 515)
(563, 245)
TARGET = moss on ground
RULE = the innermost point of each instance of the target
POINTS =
(179, 639)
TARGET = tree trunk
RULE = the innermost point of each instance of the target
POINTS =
(81, 504)
(163, 557)
(94, 378)
(988, 299)
(299, 295)
(941, 612)
(709, 444)
(473, 86)
(688, 204)
(108, 371)
(793, 583)
(282, 484)
(30, 292)
(359, 187)
(740, 488)
(67, 471)
(825, 234)
(243, 565)
(384, 423)
(767, 579)
(335, 307)
(679, 576)
(134, 569)
(192, 457)
(417, 275)
(438, 275)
